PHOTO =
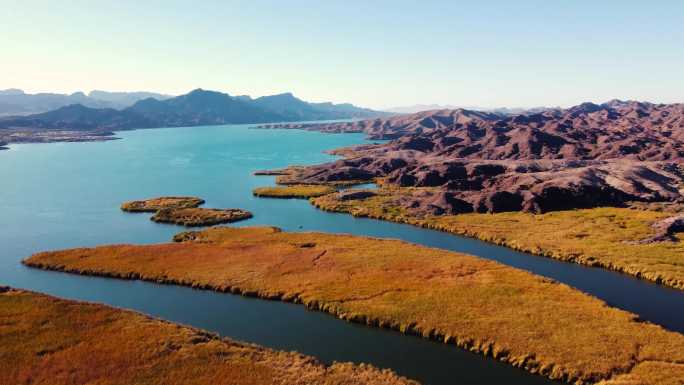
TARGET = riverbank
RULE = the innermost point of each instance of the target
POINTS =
(46, 340)
(602, 237)
(513, 316)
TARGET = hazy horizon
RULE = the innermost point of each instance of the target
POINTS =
(388, 108)
(381, 55)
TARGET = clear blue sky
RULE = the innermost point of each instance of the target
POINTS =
(371, 53)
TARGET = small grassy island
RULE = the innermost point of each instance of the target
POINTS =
(294, 191)
(528, 321)
(155, 204)
(46, 340)
(200, 216)
(609, 237)
(185, 211)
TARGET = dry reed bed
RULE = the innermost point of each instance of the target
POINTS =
(46, 340)
(526, 320)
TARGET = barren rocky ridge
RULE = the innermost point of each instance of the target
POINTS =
(585, 156)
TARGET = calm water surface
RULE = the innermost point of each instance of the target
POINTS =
(68, 194)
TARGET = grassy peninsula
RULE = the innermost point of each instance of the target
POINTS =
(606, 237)
(516, 317)
(46, 340)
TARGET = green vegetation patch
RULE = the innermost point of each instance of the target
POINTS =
(303, 191)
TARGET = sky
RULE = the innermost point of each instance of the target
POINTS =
(377, 54)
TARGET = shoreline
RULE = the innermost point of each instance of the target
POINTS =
(40, 135)
(9, 136)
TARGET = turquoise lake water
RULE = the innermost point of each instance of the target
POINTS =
(68, 194)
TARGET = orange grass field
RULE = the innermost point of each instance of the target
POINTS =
(604, 237)
(45, 340)
(511, 315)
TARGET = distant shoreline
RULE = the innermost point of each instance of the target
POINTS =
(25, 136)
(44, 135)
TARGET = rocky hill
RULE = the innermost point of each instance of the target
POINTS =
(78, 118)
(291, 108)
(585, 156)
(399, 125)
(201, 107)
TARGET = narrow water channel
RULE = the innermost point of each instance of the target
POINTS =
(652, 302)
(287, 326)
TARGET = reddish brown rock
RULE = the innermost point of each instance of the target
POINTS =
(617, 129)
(354, 195)
(398, 125)
(423, 202)
(585, 156)
(665, 229)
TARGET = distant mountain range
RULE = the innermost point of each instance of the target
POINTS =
(199, 107)
(434, 107)
(16, 102)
